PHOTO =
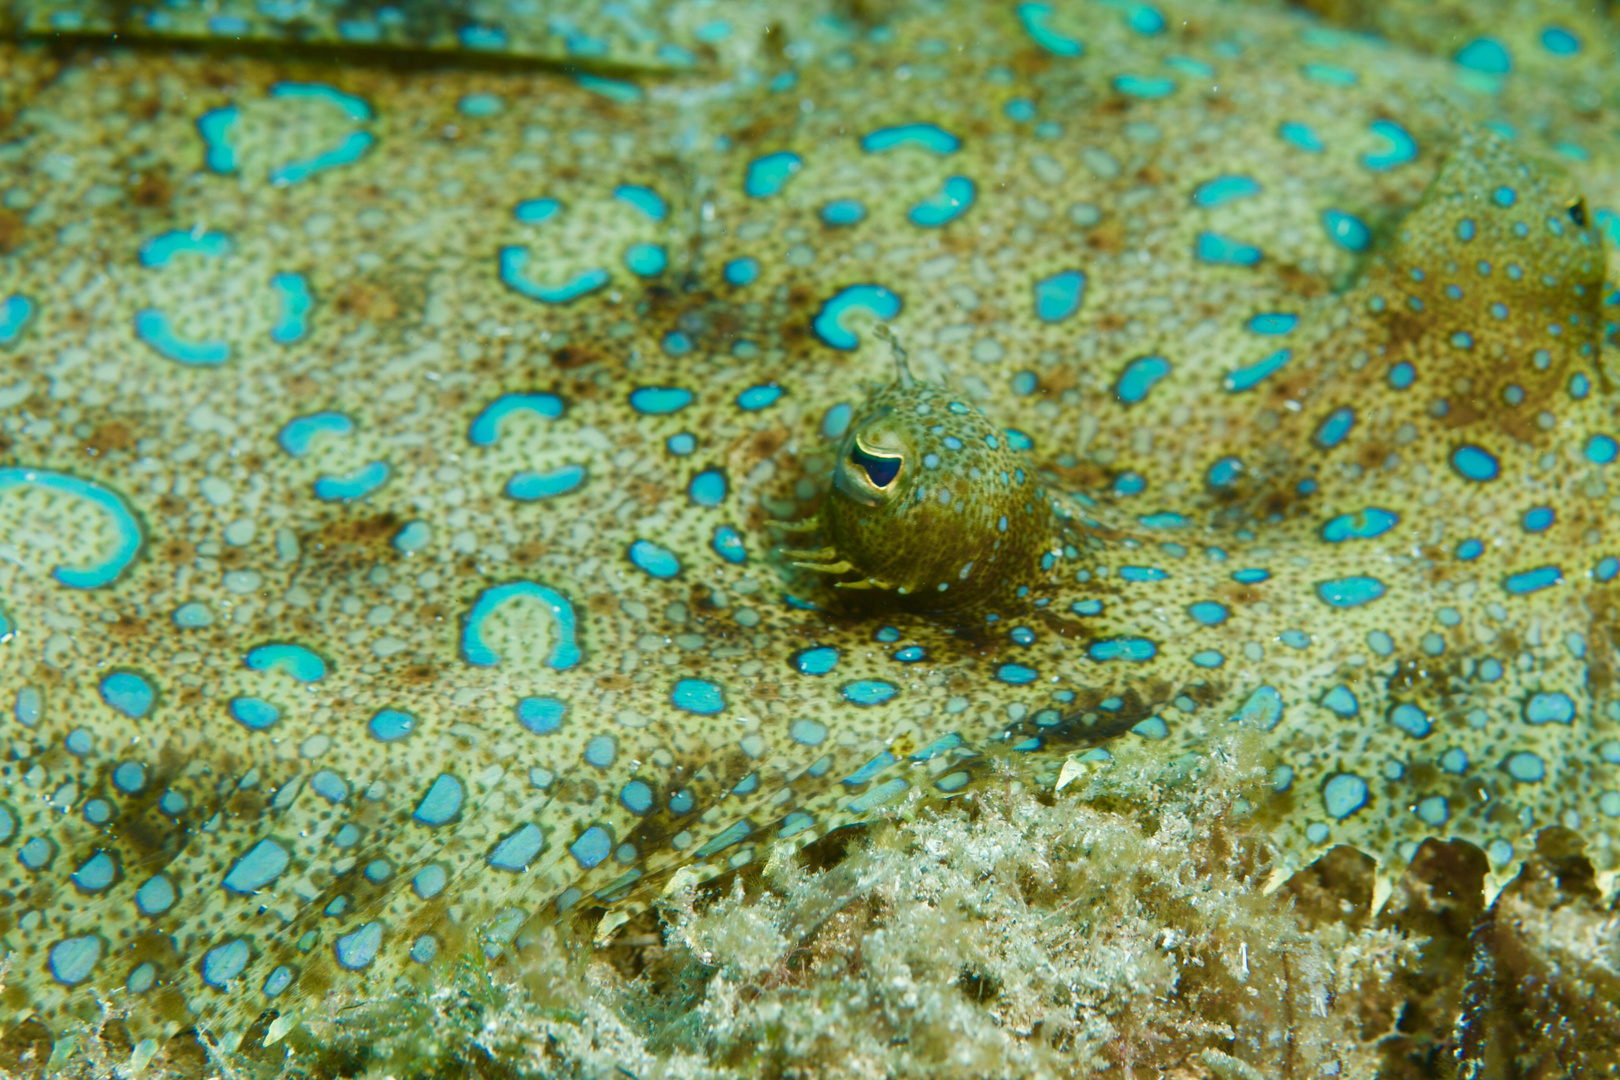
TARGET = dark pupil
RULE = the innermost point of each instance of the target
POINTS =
(1577, 212)
(880, 470)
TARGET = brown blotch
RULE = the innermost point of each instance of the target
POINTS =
(176, 551)
(153, 190)
(11, 231)
(367, 301)
(113, 435)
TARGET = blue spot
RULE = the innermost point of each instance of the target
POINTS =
(531, 486)
(125, 531)
(1474, 463)
(1347, 230)
(1019, 110)
(1273, 323)
(163, 248)
(1362, 525)
(1059, 296)
(1559, 41)
(1335, 427)
(1350, 591)
(441, 803)
(592, 847)
(216, 126)
(1129, 483)
(808, 732)
(868, 692)
(253, 713)
(759, 397)
(1162, 520)
(1411, 719)
(1208, 612)
(15, 311)
(742, 271)
(263, 864)
(637, 797)
(348, 150)
(659, 400)
(352, 107)
(292, 308)
(72, 959)
(1402, 375)
(485, 430)
(1301, 136)
(1263, 709)
(1246, 378)
(355, 484)
(1142, 573)
(480, 106)
(732, 834)
(930, 137)
(1550, 708)
(1607, 568)
(412, 537)
(1525, 767)
(1486, 55)
(1344, 794)
(299, 433)
(1539, 519)
(1017, 439)
(1135, 649)
(1341, 701)
(1035, 18)
(1143, 18)
(294, 660)
(1140, 376)
(707, 488)
(1330, 74)
(1250, 577)
(656, 561)
(1016, 674)
(277, 981)
(516, 851)
(329, 786)
(225, 962)
(96, 873)
(1601, 449)
(129, 777)
(514, 261)
(644, 199)
(1225, 189)
(565, 648)
(911, 654)
(728, 545)
(842, 212)
(128, 693)
(1224, 472)
(357, 950)
(1144, 86)
(625, 93)
(153, 327)
(1395, 146)
(1504, 197)
(1221, 250)
(816, 661)
(1533, 580)
(540, 716)
(860, 776)
(769, 174)
(536, 211)
(1209, 658)
(645, 260)
(954, 198)
(878, 796)
(697, 696)
(829, 321)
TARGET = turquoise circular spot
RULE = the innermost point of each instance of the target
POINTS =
(391, 725)
(1344, 794)
(1525, 767)
(540, 716)
(128, 693)
(697, 696)
(869, 692)
(817, 661)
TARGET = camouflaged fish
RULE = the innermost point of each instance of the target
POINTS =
(398, 470)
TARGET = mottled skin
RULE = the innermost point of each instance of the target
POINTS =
(1218, 557)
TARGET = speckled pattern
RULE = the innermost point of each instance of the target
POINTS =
(390, 462)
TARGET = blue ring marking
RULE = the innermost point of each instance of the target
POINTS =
(1344, 794)
(1402, 375)
(836, 421)
(1016, 674)
(277, 981)
(481, 106)
(356, 951)
(298, 434)
(1218, 249)
(1059, 296)
(1334, 427)
(441, 802)
(1017, 439)
(1433, 810)
(911, 654)
(728, 545)
(1350, 591)
(73, 959)
(1550, 708)
(681, 444)
(636, 796)
(262, 864)
(429, 881)
(1263, 709)
(1140, 574)
(732, 834)
(1525, 767)
(681, 802)
(352, 147)
(1533, 580)
(742, 271)
(759, 397)
(593, 846)
(1341, 701)
(808, 732)
(329, 786)
(646, 260)
(1601, 449)
(153, 327)
(1330, 74)
(1486, 55)
(642, 198)
(1034, 17)
(1247, 378)
(37, 853)
(488, 38)
(540, 716)
(1129, 483)
(939, 746)
(1019, 110)
(216, 126)
(1396, 146)
(659, 400)
(564, 651)
(96, 873)
(829, 321)
(954, 198)
(1189, 66)
(128, 693)
(1579, 386)
(355, 108)
(884, 793)
(1606, 569)
(1346, 230)
(1301, 136)
(930, 137)
(1412, 720)
(1475, 463)
(1164, 519)
(1125, 648)
(514, 261)
(536, 211)
(294, 660)
(15, 311)
(253, 713)
(953, 782)
(1252, 576)
(868, 692)
(293, 301)
(1209, 658)
(485, 430)
(127, 535)
(653, 560)
(1560, 41)
(1140, 376)
(1224, 472)
(517, 850)
(532, 486)
(1143, 18)
(698, 696)
(769, 174)
(225, 962)
(841, 212)
(1208, 612)
(1152, 729)
(676, 343)
(412, 537)
(860, 776)
(1469, 550)
(1225, 189)
(1538, 519)
(129, 777)
(354, 484)
(1362, 525)
(794, 824)
(817, 661)
(1144, 86)
(161, 250)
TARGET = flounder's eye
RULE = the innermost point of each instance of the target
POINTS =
(1577, 212)
(879, 469)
